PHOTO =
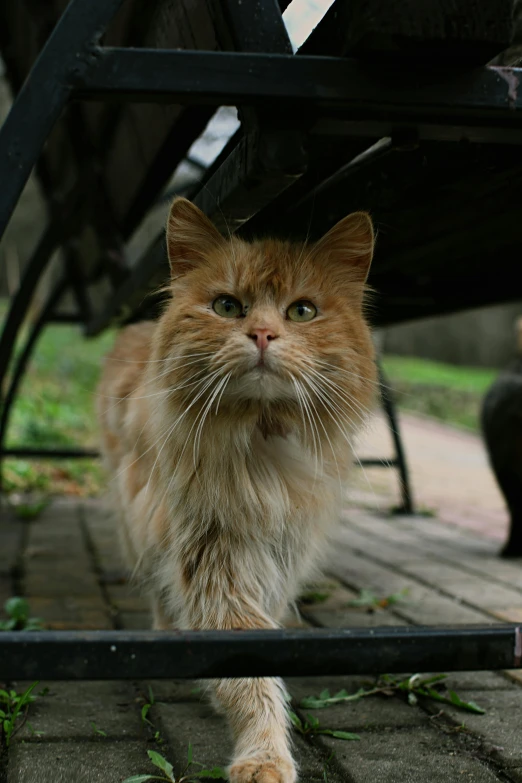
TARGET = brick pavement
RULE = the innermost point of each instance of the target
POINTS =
(67, 564)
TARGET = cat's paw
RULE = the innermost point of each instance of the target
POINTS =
(263, 769)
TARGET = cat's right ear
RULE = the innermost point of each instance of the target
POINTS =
(191, 237)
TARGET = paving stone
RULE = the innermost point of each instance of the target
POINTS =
(174, 691)
(208, 734)
(101, 526)
(96, 761)
(72, 579)
(127, 598)
(6, 589)
(464, 575)
(421, 605)
(501, 726)
(197, 723)
(336, 612)
(68, 710)
(412, 756)
(69, 612)
(136, 621)
(478, 681)
(11, 533)
(369, 712)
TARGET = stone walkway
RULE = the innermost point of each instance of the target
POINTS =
(449, 470)
(67, 564)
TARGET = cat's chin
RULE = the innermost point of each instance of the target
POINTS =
(262, 383)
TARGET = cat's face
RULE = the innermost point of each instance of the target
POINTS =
(275, 319)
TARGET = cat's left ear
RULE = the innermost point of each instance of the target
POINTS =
(350, 242)
(191, 237)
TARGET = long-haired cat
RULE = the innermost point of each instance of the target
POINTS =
(228, 426)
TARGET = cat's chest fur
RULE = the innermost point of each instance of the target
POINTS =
(250, 480)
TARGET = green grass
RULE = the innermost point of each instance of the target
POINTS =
(443, 391)
(427, 373)
(55, 407)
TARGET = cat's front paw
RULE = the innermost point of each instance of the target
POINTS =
(263, 769)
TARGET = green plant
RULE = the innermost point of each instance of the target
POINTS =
(144, 719)
(413, 687)
(368, 600)
(30, 510)
(18, 613)
(186, 775)
(13, 710)
(97, 731)
(311, 725)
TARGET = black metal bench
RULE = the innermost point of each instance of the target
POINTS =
(393, 113)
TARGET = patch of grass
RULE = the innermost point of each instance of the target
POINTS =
(428, 373)
(19, 616)
(55, 407)
(187, 775)
(97, 731)
(13, 711)
(445, 392)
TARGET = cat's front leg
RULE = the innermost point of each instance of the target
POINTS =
(254, 707)
(256, 711)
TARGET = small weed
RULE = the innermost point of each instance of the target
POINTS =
(314, 597)
(13, 711)
(325, 767)
(30, 510)
(97, 731)
(311, 725)
(317, 593)
(186, 775)
(413, 687)
(18, 613)
(145, 719)
(144, 712)
(368, 600)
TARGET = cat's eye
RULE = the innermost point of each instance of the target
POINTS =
(301, 311)
(227, 306)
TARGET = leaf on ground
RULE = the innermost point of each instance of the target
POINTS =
(142, 778)
(296, 720)
(344, 735)
(162, 763)
(471, 706)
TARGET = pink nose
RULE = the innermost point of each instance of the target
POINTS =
(262, 337)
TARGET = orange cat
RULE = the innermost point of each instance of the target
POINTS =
(228, 425)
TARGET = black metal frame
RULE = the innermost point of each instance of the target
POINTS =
(79, 655)
(340, 97)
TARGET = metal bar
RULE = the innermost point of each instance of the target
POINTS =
(27, 452)
(22, 299)
(68, 51)
(218, 78)
(393, 423)
(23, 359)
(75, 655)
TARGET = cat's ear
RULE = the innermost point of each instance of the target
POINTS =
(191, 237)
(350, 242)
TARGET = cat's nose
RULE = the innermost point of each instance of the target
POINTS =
(262, 337)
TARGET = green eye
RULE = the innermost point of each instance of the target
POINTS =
(301, 311)
(227, 306)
